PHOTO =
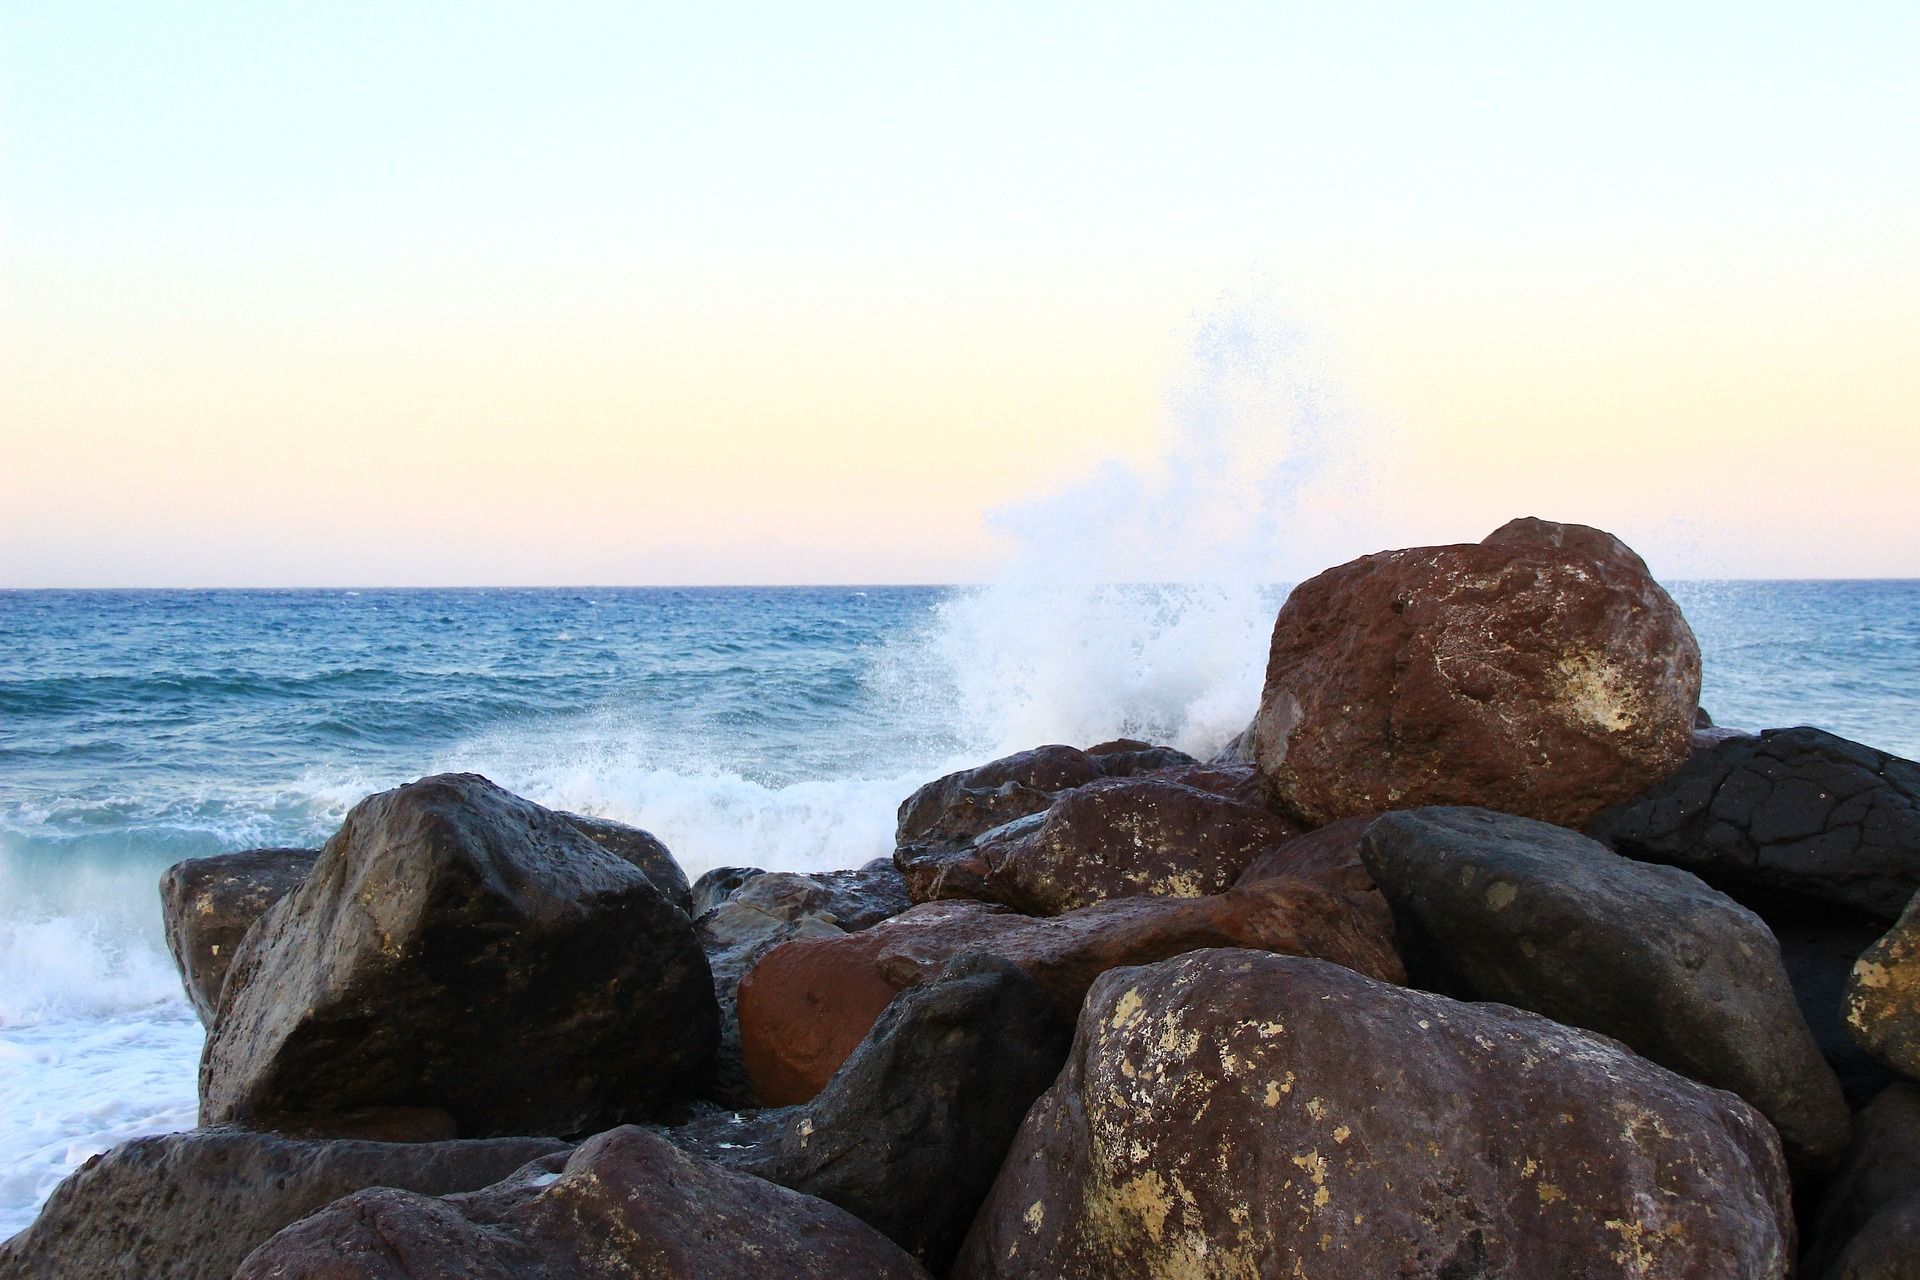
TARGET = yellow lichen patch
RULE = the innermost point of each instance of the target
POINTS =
(1501, 894)
(1594, 691)
(1315, 1166)
(1549, 1193)
(1641, 1245)
(1145, 1197)
(1342, 1133)
(1273, 1093)
(1036, 1216)
(1317, 1108)
(1126, 1009)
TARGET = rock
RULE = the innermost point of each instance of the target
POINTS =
(626, 1204)
(1883, 996)
(183, 1206)
(1868, 1226)
(1494, 907)
(1125, 837)
(938, 823)
(1819, 956)
(457, 947)
(1328, 856)
(208, 904)
(807, 1004)
(910, 1132)
(1239, 749)
(1233, 1113)
(767, 910)
(1235, 781)
(1542, 672)
(640, 848)
(719, 884)
(1792, 823)
(864, 896)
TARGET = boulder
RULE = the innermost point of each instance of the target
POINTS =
(1819, 956)
(939, 822)
(640, 848)
(1494, 907)
(1868, 1224)
(457, 947)
(807, 1004)
(626, 1204)
(208, 904)
(719, 884)
(185, 1206)
(1126, 837)
(1234, 1113)
(1541, 672)
(1794, 823)
(910, 1132)
(1328, 856)
(1883, 996)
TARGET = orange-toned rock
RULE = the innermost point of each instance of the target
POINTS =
(808, 1003)
(1542, 672)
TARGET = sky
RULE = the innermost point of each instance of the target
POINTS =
(436, 294)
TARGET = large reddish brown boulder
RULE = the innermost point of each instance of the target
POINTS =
(1241, 1114)
(939, 823)
(808, 1003)
(1541, 672)
(627, 1204)
(1126, 837)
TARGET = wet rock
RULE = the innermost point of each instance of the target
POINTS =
(208, 904)
(910, 1132)
(626, 1204)
(1868, 1226)
(1494, 907)
(1542, 672)
(719, 884)
(1328, 856)
(765, 911)
(939, 822)
(1239, 748)
(1126, 837)
(185, 1206)
(1883, 996)
(1233, 1113)
(807, 1004)
(457, 947)
(640, 848)
(1791, 823)
(1233, 779)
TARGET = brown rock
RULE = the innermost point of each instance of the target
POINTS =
(939, 823)
(642, 849)
(807, 1004)
(1542, 672)
(1126, 837)
(1883, 995)
(186, 1206)
(626, 1205)
(458, 948)
(208, 904)
(1239, 1114)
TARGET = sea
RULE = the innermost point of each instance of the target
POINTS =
(775, 727)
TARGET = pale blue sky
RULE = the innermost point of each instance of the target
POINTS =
(668, 242)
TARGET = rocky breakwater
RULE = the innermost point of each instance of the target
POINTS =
(1354, 999)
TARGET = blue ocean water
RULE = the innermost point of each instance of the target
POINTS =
(773, 727)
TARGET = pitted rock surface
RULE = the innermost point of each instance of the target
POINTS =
(208, 904)
(1233, 1114)
(939, 823)
(1127, 837)
(1494, 907)
(627, 1205)
(1541, 672)
(185, 1206)
(808, 1003)
(1883, 996)
(1791, 822)
(459, 948)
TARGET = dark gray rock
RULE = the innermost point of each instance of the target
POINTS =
(910, 1132)
(716, 886)
(627, 1204)
(459, 948)
(642, 849)
(1868, 1226)
(208, 904)
(186, 1206)
(1796, 824)
(1495, 907)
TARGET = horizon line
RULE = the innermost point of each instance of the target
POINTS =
(788, 586)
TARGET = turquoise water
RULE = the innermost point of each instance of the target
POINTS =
(776, 727)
